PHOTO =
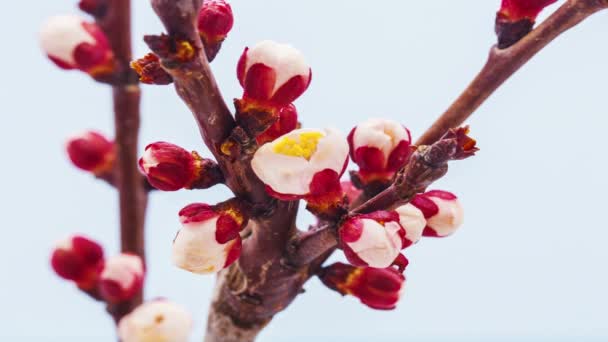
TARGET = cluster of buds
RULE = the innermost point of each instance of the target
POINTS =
(273, 76)
(81, 260)
(91, 151)
(380, 148)
(209, 239)
(215, 21)
(169, 167)
(157, 320)
(378, 288)
(373, 240)
(72, 43)
(304, 164)
(442, 211)
(516, 18)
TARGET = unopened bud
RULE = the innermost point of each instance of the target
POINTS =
(516, 18)
(413, 221)
(122, 277)
(378, 288)
(91, 151)
(215, 21)
(156, 321)
(442, 210)
(78, 259)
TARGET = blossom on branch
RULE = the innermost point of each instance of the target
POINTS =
(443, 212)
(273, 75)
(122, 277)
(169, 167)
(378, 288)
(380, 148)
(91, 151)
(373, 240)
(72, 43)
(209, 239)
(516, 18)
(413, 221)
(78, 259)
(215, 21)
(154, 321)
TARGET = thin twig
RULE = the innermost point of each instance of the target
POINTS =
(501, 64)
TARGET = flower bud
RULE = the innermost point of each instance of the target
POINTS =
(413, 221)
(287, 122)
(378, 288)
(294, 165)
(150, 71)
(157, 320)
(215, 20)
(209, 239)
(78, 259)
(122, 277)
(91, 151)
(169, 167)
(380, 148)
(442, 210)
(373, 240)
(516, 18)
(72, 43)
(273, 75)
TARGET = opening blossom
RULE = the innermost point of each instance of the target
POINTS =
(443, 212)
(273, 75)
(378, 288)
(91, 151)
(156, 321)
(373, 240)
(291, 164)
(72, 43)
(122, 277)
(78, 259)
(209, 239)
(380, 148)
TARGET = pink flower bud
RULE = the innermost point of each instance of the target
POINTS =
(215, 20)
(516, 18)
(380, 148)
(78, 259)
(273, 75)
(413, 221)
(154, 321)
(299, 163)
(209, 239)
(442, 210)
(169, 167)
(91, 151)
(72, 43)
(122, 277)
(373, 240)
(378, 288)
(523, 9)
(287, 122)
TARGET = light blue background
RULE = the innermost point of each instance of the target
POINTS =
(529, 263)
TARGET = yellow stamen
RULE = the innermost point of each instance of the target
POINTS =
(304, 147)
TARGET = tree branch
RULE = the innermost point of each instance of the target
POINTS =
(116, 23)
(501, 64)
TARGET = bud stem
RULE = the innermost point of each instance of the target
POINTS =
(501, 64)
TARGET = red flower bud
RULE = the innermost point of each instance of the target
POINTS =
(215, 20)
(272, 75)
(169, 167)
(72, 43)
(122, 278)
(287, 122)
(373, 240)
(91, 151)
(442, 210)
(378, 288)
(516, 18)
(78, 259)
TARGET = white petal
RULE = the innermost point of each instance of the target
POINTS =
(149, 160)
(412, 220)
(60, 35)
(195, 248)
(449, 217)
(378, 246)
(380, 133)
(123, 269)
(155, 321)
(284, 59)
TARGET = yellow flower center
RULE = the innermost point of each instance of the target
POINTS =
(304, 146)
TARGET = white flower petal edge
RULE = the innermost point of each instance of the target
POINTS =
(380, 133)
(60, 35)
(412, 220)
(154, 321)
(449, 218)
(378, 245)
